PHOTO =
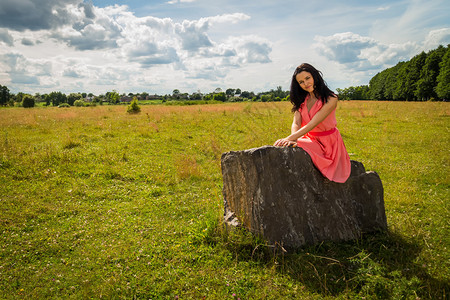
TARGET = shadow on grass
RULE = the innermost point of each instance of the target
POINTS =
(377, 266)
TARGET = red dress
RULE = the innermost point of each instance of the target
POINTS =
(324, 144)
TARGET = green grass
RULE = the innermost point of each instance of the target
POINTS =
(97, 203)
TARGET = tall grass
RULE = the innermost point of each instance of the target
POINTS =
(97, 203)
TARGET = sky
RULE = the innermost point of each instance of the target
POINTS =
(156, 46)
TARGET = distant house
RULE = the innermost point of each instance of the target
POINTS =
(125, 99)
(154, 97)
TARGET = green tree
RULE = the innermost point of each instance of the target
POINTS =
(340, 93)
(37, 97)
(47, 99)
(443, 79)
(28, 101)
(407, 78)
(401, 87)
(71, 98)
(427, 83)
(390, 81)
(57, 98)
(78, 103)
(195, 96)
(176, 94)
(230, 92)
(376, 85)
(220, 97)
(113, 97)
(267, 97)
(19, 97)
(279, 92)
(4, 95)
(246, 94)
(134, 108)
(144, 95)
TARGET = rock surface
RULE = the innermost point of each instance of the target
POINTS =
(279, 194)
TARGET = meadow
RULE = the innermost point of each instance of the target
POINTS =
(97, 203)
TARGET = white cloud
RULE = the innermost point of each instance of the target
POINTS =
(387, 55)
(226, 18)
(6, 38)
(437, 37)
(383, 8)
(25, 71)
(71, 72)
(180, 1)
(27, 42)
(193, 34)
(343, 47)
(251, 49)
(99, 32)
(361, 53)
(33, 15)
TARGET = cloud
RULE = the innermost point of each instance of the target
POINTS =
(193, 34)
(88, 10)
(33, 15)
(362, 53)
(437, 37)
(215, 63)
(180, 1)
(6, 38)
(226, 18)
(92, 28)
(387, 55)
(383, 8)
(208, 72)
(252, 49)
(91, 37)
(154, 41)
(27, 42)
(19, 68)
(220, 50)
(71, 73)
(343, 47)
(167, 56)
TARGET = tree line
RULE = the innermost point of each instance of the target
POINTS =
(424, 77)
(113, 97)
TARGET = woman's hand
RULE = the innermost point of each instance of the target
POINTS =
(284, 143)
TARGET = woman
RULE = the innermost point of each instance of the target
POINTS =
(314, 126)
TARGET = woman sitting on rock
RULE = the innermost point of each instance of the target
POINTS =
(314, 126)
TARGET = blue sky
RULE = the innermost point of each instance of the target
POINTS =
(200, 45)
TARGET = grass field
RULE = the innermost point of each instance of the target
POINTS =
(96, 203)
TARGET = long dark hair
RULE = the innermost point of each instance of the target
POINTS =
(321, 90)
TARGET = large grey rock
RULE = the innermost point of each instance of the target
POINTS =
(279, 194)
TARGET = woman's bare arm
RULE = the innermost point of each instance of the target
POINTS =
(297, 131)
(297, 123)
(326, 109)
